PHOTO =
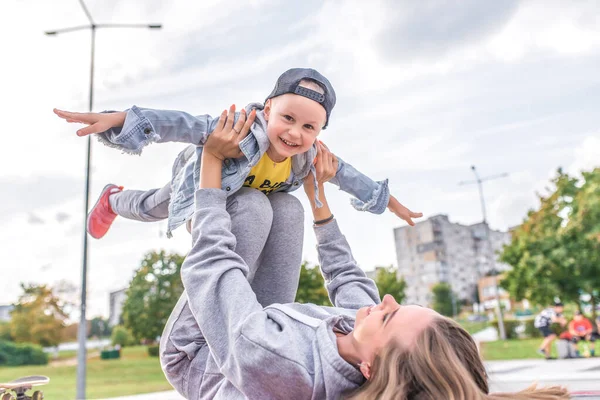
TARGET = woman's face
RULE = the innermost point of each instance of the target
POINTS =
(375, 326)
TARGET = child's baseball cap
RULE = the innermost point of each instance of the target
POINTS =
(288, 83)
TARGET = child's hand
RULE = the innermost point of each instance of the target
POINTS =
(98, 122)
(224, 141)
(397, 208)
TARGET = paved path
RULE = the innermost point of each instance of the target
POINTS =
(578, 375)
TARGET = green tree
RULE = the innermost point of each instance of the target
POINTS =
(152, 294)
(122, 336)
(38, 316)
(5, 332)
(388, 283)
(311, 287)
(442, 298)
(99, 328)
(556, 251)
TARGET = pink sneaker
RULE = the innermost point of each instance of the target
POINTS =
(102, 215)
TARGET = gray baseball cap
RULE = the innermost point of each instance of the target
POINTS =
(288, 83)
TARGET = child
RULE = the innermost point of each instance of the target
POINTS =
(276, 156)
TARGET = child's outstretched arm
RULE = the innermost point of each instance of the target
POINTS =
(370, 195)
(133, 129)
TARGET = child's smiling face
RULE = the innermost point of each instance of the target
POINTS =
(293, 124)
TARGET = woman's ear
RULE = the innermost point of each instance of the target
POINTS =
(365, 369)
(267, 109)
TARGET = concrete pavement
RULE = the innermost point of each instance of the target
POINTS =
(576, 374)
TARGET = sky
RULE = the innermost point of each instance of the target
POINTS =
(424, 90)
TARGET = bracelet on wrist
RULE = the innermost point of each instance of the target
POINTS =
(323, 221)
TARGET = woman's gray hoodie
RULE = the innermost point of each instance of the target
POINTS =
(278, 352)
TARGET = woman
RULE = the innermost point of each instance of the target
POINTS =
(221, 343)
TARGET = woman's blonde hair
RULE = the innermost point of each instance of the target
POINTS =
(443, 363)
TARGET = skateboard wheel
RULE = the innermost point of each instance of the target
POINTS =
(7, 396)
(37, 395)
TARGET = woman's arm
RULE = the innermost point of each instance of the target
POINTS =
(213, 275)
(347, 284)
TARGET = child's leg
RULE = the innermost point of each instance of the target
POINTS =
(276, 280)
(148, 206)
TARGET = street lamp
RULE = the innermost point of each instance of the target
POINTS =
(479, 181)
(82, 333)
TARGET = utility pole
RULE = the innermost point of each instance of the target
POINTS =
(82, 332)
(479, 181)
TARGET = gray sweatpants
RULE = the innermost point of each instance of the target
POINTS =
(147, 206)
(269, 233)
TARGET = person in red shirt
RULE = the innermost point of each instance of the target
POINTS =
(580, 329)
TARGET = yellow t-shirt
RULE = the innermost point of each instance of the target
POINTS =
(268, 175)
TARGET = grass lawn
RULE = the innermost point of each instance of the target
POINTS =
(64, 355)
(473, 326)
(512, 349)
(135, 372)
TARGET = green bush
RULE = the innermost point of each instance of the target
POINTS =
(510, 326)
(15, 354)
(153, 350)
(122, 336)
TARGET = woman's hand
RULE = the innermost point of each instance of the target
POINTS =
(326, 163)
(224, 141)
(326, 166)
(397, 208)
(98, 122)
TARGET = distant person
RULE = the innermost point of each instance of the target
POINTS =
(543, 322)
(580, 330)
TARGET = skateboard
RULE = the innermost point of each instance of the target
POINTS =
(22, 385)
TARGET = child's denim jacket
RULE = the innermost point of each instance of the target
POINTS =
(143, 126)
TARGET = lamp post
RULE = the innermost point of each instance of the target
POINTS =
(82, 332)
(479, 181)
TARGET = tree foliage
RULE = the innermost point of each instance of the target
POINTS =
(388, 283)
(556, 251)
(442, 298)
(311, 287)
(152, 294)
(122, 336)
(98, 327)
(38, 316)
(5, 332)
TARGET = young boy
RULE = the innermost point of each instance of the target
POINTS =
(543, 321)
(277, 155)
(581, 330)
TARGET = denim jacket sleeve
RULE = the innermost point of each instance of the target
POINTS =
(369, 195)
(144, 126)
